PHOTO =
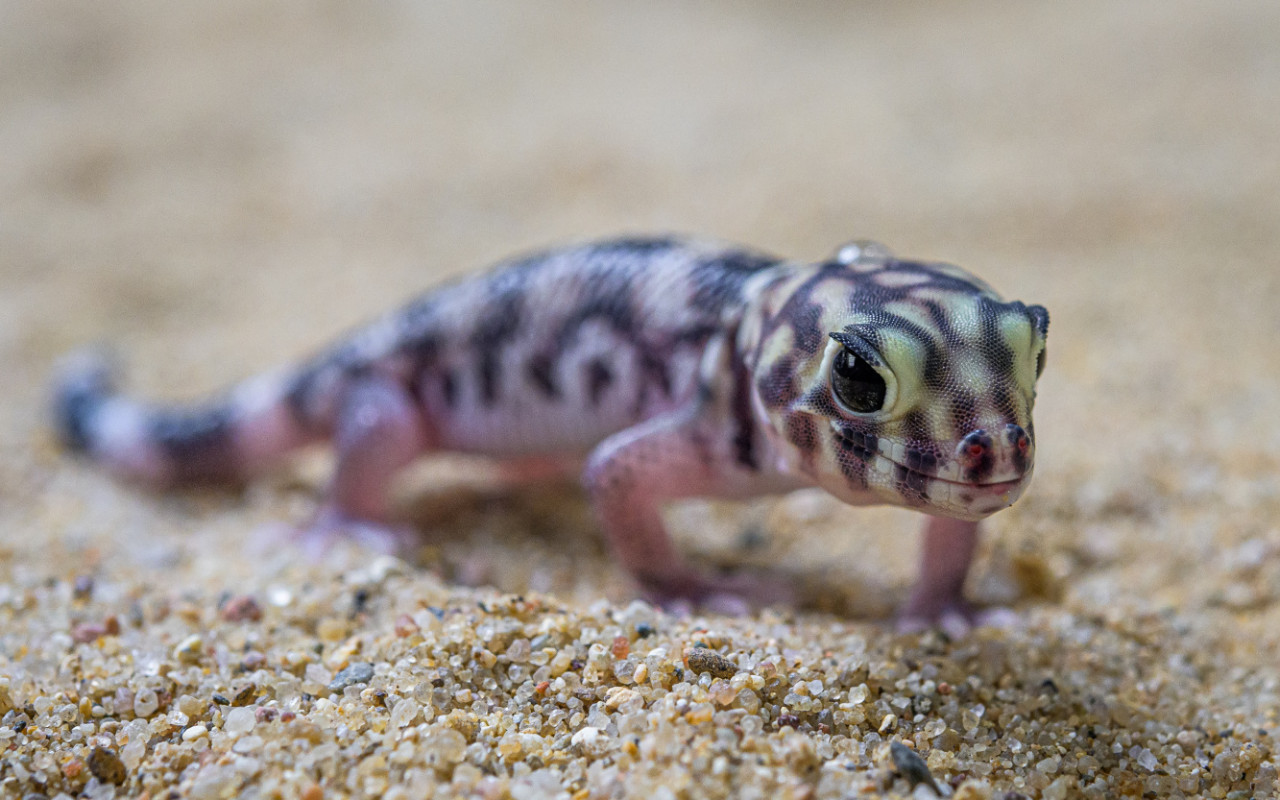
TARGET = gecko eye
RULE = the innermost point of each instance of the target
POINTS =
(856, 383)
(1040, 362)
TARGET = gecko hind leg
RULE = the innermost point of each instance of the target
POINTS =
(378, 431)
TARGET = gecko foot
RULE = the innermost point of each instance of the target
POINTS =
(734, 594)
(331, 526)
(955, 618)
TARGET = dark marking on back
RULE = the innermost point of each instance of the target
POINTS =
(448, 388)
(653, 369)
(541, 371)
(487, 373)
(717, 281)
(300, 396)
(744, 435)
(499, 324)
(635, 245)
(599, 379)
(608, 297)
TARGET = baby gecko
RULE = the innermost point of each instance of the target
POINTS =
(678, 367)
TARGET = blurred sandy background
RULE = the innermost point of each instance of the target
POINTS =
(216, 189)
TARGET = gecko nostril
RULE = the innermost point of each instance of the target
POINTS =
(974, 451)
(1017, 437)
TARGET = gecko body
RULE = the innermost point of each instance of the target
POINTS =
(675, 367)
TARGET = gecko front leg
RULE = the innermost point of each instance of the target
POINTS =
(632, 473)
(938, 597)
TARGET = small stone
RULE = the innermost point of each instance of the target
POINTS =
(622, 697)
(247, 744)
(621, 647)
(239, 720)
(405, 626)
(912, 767)
(973, 790)
(194, 732)
(242, 608)
(244, 695)
(82, 588)
(145, 703)
(358, 672)
(700, 659)
(86, 632)
(1060, 789)
(189, 649)
(106, 766)
(1147, 760)
(403, 713)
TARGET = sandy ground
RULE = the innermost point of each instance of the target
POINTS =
(218, 189)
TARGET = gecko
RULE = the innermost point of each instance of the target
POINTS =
(670, 367)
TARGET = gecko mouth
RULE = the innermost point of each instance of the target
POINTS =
(865, 447)
(914, 477)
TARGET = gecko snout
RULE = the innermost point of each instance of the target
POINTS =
(980, 458)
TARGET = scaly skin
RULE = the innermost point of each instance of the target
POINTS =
(677, 367)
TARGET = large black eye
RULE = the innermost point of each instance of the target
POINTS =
(856, 384)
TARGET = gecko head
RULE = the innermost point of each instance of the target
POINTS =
(909, 383)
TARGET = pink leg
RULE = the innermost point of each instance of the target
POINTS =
(628, 477)
(938, 597)
(379, 430)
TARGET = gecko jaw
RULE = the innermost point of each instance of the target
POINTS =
(930, 491)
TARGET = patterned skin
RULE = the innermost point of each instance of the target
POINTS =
(677, 367)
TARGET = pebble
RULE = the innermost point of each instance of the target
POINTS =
(912, 767)
(701, 659)
(480, 698)
(194, 732)
(358, 672)
(239, 720)
(106, 766)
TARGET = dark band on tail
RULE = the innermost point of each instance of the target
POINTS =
(196, 443)
(84, 385)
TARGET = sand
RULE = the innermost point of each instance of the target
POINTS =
(215, 190)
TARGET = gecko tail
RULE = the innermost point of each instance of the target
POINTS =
(84, 382)
(224, 440)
